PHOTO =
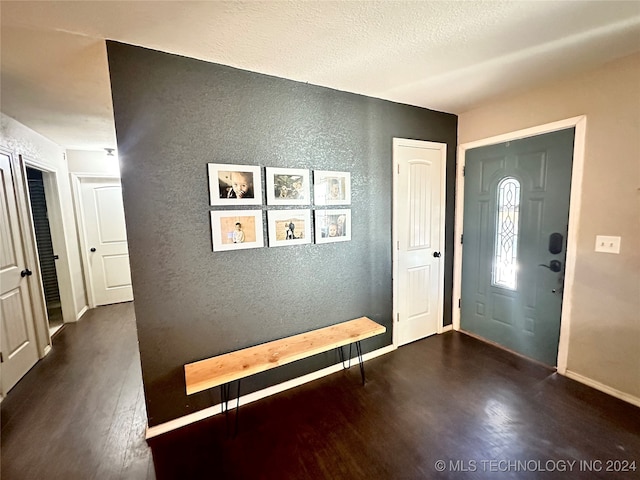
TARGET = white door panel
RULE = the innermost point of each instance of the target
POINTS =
(116, 271)
(418, 228)
(17, 330)
(109, 212)
(418, 281)
(105, 236)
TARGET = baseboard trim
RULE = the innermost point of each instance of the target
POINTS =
(446, 328)
(252, 397)
(603, 388)
(82, 312)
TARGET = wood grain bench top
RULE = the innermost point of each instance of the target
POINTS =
(228, 367)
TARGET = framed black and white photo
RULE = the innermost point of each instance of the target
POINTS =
(333, 225)
(234, 184)
(331, 188)
(289, 227)
(236, 229)
(288, 186)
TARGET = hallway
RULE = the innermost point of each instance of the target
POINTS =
(79, 413)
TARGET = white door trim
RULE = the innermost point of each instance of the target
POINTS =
(76, 179)
(58, 239)
(442, 147)
(580, 125)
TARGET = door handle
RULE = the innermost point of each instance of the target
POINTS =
(554, 265)
(26, 273)
(93, 249)
(436, 255)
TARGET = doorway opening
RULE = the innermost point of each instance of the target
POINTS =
(46, 255)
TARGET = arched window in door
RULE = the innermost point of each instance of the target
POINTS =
(505, 260)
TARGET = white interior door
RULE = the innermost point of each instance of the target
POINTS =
(419, 238)
(17, 330)
(105, 246)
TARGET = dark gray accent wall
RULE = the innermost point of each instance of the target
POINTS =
(173, 116)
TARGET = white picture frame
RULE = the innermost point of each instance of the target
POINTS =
(332, 225)
(288, 186)
(225, 234)
(289, 227)
(234, 184)
(331, 188)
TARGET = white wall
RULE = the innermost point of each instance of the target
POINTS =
(48, 156)
(93, 162)
(604, 336)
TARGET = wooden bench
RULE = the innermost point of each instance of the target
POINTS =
(224, 369)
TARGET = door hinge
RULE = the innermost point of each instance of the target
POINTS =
(398, 245)
(459, 303)
(398, 169)
(461, 238)
(398, 317)
(464, 170)
(1, 358)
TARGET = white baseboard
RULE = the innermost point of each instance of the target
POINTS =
(82, 312)
(603, 388)
(446, 328)
(252, 397)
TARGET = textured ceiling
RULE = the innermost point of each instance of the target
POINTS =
(448, 56)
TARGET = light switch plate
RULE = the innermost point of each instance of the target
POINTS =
(607, 244)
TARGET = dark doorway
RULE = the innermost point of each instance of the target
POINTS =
(46, 255)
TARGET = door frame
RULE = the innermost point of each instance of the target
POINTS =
(58, 238)
(580, 125)
(76, 181)
(442, 147)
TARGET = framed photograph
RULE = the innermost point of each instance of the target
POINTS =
(288, 186)
(331, 188)
(289, 227)
(234, 184)
(236, 229)
(333, 225)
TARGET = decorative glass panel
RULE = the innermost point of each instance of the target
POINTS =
(505, 261)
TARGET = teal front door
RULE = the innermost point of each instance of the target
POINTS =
(516, 213)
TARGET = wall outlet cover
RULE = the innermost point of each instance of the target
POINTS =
(607, 244)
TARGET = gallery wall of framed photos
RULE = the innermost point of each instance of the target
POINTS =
(233, 185)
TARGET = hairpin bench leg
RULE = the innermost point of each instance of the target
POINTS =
(224, 403)
(341, 353)
(237, 408)
(225, 390)
(360, 361)
(359, 350)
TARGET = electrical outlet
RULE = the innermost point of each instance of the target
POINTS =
(607, 244)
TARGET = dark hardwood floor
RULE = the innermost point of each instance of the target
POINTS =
(79, 414)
